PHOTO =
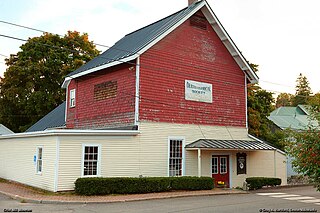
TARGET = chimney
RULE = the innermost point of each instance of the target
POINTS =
(190, 2)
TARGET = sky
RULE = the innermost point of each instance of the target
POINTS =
(281, 36)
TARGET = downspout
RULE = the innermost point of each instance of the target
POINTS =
(246, 99)
(137, 93)
(67, 102)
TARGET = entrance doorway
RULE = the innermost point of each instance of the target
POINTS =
(220, 170)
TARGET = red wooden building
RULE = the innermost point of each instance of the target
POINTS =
(168, 99)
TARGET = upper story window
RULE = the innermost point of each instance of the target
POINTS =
(72, 98)
(105, 90)
(198, 22)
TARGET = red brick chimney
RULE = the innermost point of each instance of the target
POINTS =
(191, 2)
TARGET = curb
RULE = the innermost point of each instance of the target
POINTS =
(28, 200)
(281, 187)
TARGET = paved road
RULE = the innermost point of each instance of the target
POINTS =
(298, 199)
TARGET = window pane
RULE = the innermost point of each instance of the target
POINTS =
(214, 165)
(223, 165)
(39, 160)
(175, 158)
(90, 160)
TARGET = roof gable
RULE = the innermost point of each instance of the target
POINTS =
(134, 44)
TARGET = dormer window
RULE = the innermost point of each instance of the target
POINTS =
(72, 99)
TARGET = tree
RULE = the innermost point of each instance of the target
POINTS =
(305, 150)
(304, 146)
(314, 103)
(303, 91)
(31, 86)
(260, 105)
(284, 99)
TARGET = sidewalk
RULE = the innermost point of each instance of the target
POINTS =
(26, 194)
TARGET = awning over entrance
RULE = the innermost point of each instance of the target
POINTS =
(213, 144)
(229, 145)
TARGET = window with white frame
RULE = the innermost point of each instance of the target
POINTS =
(223, 165)
(39, 160)
(175, 157)
(214, 165)
(90, 160)
(72, 98)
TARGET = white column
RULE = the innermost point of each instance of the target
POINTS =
(199, 162)
(275, 162)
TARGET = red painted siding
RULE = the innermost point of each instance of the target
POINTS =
(92, 113)
(191, 53)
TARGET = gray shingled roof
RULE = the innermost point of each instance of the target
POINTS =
(133, 42)
(230, 144)
(55, 118)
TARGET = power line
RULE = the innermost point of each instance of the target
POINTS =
(4, 55)
(132, 63)
(162, 69)
(42, 31)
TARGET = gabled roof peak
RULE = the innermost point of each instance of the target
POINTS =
(137, 42)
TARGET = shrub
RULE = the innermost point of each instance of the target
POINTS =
(191, 183)
(103, 186)
(259, 182)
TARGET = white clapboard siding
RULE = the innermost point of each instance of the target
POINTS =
(154, 145)
(17, 161)
(119, 157)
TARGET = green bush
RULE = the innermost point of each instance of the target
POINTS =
(104, 186)
(191, 183)
(259, 182)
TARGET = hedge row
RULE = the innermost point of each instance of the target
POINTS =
(259, 182)
(104, 186)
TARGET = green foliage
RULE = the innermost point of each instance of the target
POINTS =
(314, 103)
(259, 182)
(191, 183)
(304, 147)
(260, 105)
(284, 99)
(104, 186)
(31, 86)
(303, 91)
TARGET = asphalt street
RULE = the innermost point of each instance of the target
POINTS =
(295, 199)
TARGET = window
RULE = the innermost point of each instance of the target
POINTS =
(214, 165)
(175, 157)
(72, 98)
(91, 160)
(223, 165)
(105, 90)
(199, 22)
(39, 160)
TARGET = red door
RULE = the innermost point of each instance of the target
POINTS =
(220, 170)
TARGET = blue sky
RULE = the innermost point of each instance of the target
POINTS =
(282, 36)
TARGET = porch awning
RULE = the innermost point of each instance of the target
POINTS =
(229, 145)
